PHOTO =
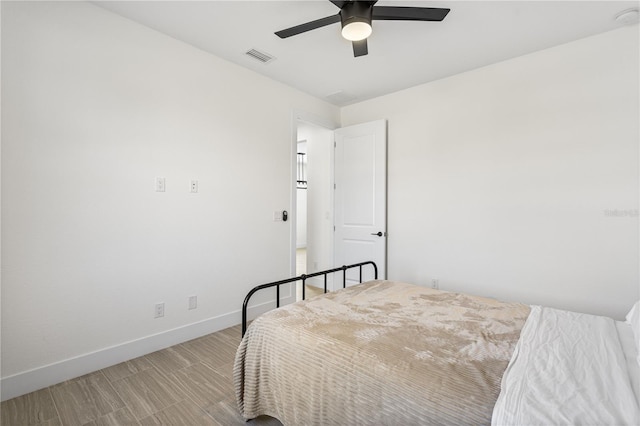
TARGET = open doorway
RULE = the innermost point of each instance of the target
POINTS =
(301, 207)
(314, 203)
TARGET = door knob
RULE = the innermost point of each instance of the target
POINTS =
(379, 234)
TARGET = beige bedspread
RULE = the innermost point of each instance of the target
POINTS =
(379, 353)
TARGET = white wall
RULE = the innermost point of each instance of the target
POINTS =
(94, 108)
(500, 179)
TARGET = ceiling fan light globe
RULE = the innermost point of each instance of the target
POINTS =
(356, 31)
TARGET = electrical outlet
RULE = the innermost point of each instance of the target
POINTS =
(193, 302)
(160, 184)
(159, 312)
(435, 283)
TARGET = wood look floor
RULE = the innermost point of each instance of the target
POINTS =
(187, 384)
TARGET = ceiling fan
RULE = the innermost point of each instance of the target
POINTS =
(356, 17)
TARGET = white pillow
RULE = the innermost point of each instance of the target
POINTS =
(633, 319)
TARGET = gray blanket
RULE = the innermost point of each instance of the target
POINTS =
(379, 353)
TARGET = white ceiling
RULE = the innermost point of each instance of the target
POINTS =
(402, 54)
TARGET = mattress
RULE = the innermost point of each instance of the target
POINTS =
(628, 343)
(568, 368)
(383, 353)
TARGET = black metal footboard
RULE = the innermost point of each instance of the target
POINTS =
(303, 278)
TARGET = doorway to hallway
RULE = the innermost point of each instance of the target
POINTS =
(314, 202)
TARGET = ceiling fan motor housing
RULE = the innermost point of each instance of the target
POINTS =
(356, 11)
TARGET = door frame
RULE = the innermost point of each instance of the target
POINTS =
(329, 124)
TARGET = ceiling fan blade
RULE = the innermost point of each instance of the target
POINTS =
(308, 26)
(360, 48)
(399, 13)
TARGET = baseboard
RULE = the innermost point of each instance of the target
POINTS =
(316, 282)
(42, 377)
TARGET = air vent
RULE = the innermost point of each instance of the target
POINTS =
(340, 98)
(265, 58)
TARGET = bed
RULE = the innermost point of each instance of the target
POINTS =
(391, 353)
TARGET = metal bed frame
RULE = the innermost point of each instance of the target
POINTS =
(303, 278)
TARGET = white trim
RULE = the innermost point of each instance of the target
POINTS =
(42, 377)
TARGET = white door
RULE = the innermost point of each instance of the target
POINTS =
(360, 203)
